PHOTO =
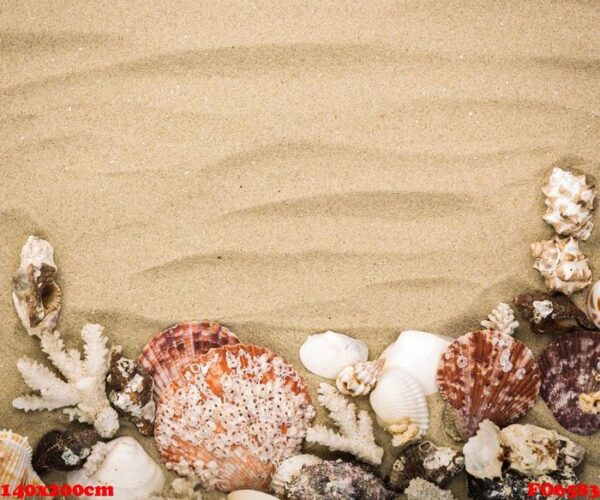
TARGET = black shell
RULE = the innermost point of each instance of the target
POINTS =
(63, 450)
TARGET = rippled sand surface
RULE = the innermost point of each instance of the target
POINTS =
(287, 168)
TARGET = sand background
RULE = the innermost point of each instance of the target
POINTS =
(287, 168)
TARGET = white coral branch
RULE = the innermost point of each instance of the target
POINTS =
(501, 319)
(356, 436)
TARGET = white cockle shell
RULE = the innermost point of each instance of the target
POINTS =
(483, 452)
(289, 470)
(327, 354)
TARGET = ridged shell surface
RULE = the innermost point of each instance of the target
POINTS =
(15, 461)
(488, 375)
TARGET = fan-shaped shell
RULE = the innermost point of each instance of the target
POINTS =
(15, 461)
(487, 375)
(570, 367)
(234, 415)
(172, 349)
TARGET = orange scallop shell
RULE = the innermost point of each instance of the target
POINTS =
(172, 349)
(234, 415)
(487, 375)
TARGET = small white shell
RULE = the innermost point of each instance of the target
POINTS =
(249, 495)
(593, 304)
(483, 452)
(327, 354)
(123, 464)
(289, 470)
(359, 380)
(418, 353)
(399, 404)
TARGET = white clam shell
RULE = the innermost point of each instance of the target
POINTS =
(127, 468)
(289, 470)
(418, 353)
(249, 495)
(399, 395)
(593, 304)
(327, 354)
(483, 452)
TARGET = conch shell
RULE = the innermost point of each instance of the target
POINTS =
(36, 295)
(15, 461)
(359, 380)
(570, 202)
(562, 264)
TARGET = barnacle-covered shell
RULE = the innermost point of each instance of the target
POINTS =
(418, 353)
(426, 460)
(488, 375)
(15, 461)
(327, 354)
(483, 452)
(64, 450)
(400, 406)
(562, 264)
(551, 313)
(570, 367)
(593, 304)
(420, 489)
(169, 351)
(289, 470)
(129, 389)
(233, 416)
(359, 380)
(570, 202)
(336, 480)
(36, 296)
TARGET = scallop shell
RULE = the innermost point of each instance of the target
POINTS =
(359, 380)
(169, 351)
(64, 450)
(428, 461)
(400, 406)
(123, 464)
(327, 354)
(570, 366)
(289, 470)
(488, 375)
(15, 461)
(234, 415)
(593, 304)
(418, 353)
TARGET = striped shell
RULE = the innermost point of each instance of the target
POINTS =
(15, 461)
(487, 375)
(234, 415)
(570, 367)
(169, 351)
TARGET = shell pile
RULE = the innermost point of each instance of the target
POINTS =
(15, 461)
(487, 375)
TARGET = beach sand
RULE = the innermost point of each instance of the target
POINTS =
(288, 168)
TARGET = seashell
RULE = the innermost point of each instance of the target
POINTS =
(420, 489)
(123, 464)
(483, 452)
(36, 296)
(327, 354)
(570, 202)
(400, 406)
(428, 461)
(172, 349)
(487, 375)
(336, 480)
(64, 450)
(249, 495)
(232, 417)
(593, 304)
(15, 461)
(289, 470)
(359, 380)
(562, 265)
(501, 319)
(570, 368)
(418, 353)
(551, 313)
(129, 388)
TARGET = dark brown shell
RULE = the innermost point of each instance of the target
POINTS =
(435, 464)
(64, 450)
(177, 346)
(565, 317)
(568, 366)
(487, 375)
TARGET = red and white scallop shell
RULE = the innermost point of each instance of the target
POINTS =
(487, 375)
(172, 349)
(236, 413)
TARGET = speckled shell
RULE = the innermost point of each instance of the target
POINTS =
(487, 375)
(15, 461)
(169, 351)
(593, 304)
(234, 415)
(64, 450)
(568, 366)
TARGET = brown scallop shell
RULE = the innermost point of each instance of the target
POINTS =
(487, 375)
(569, 366)
(172, 349)
(234, 415)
